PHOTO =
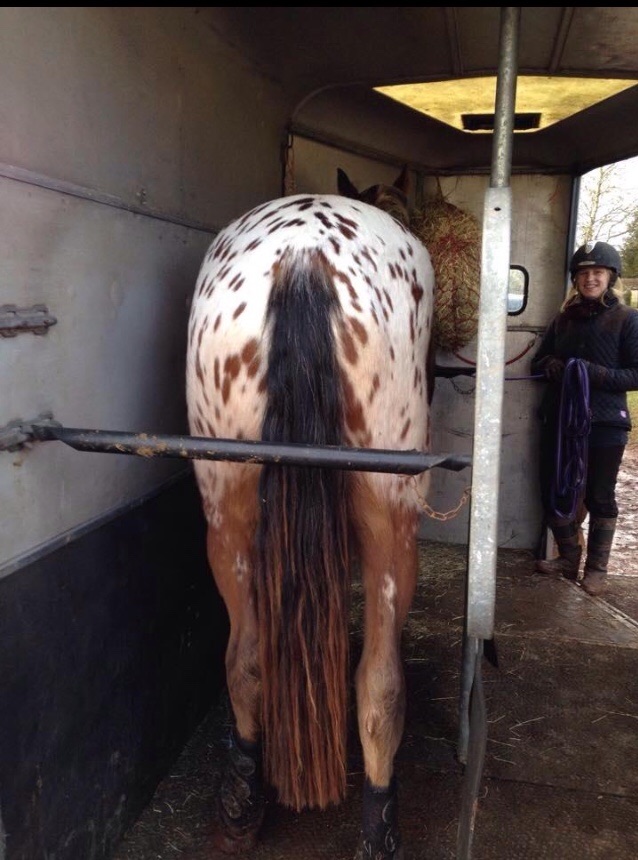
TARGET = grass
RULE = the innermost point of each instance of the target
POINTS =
(632, 400)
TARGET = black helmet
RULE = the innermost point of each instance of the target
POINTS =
(596, 254)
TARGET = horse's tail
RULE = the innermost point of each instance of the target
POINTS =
(302, 571)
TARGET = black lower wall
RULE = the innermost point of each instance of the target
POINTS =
(111, 652)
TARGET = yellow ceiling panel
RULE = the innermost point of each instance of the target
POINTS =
(468, 103)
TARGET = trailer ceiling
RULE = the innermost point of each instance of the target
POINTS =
(331, 58)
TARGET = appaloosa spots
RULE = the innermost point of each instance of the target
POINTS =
(383, 303)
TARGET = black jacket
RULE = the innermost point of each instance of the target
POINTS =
(605, 337)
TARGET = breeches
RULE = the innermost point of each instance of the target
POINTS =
(603, 464)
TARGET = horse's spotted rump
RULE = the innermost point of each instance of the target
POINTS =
(382, 329)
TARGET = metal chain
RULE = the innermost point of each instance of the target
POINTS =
(436, 515)
(508, 361)
(460, 391)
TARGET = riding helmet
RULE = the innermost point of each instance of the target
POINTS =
(596, 254)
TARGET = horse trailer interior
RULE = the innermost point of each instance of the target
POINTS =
(130, 137)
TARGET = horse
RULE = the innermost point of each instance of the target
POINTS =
(311, 323)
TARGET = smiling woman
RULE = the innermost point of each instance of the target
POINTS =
(595, 336)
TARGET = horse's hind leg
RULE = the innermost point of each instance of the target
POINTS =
(231, 556)
(388, 553)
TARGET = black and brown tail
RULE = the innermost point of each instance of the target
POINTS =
(302, 577)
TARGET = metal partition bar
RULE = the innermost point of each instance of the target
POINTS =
(200, 448)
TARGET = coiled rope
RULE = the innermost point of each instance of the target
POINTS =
(572, 441)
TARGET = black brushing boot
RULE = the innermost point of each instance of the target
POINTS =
(380, 838)
(241, 801)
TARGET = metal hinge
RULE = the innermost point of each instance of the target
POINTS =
(15, 320)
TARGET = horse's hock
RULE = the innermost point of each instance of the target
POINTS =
(453, 238)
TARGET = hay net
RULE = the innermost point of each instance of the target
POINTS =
(453, 239)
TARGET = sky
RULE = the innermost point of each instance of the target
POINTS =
(629, 169)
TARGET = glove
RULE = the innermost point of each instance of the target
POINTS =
(554, 369)
(596, 373)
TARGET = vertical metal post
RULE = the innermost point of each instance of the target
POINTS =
(495, 261)
(475, 754)
(481, 580)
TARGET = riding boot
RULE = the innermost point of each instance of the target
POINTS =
(569, 550)
(599, 541)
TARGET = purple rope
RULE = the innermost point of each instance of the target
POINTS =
(574, 422)
(516, 378)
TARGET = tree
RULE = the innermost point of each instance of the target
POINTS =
(607, 206)
(629, 251)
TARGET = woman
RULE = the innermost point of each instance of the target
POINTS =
(595, 327)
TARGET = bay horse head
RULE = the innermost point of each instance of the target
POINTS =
(393, 199)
